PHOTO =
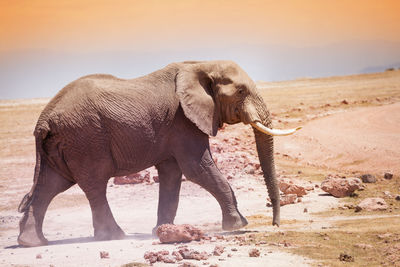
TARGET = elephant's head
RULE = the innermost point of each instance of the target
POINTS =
(217, 92)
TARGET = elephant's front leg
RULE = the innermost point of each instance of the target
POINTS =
(170, 177)
(203, 171)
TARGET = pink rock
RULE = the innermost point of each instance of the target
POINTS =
(288, 186)
(295, 189)
(161, 256)
(177, 255)
(371, 204)
(309, 187)
(166, 258)
(104, 255)
(340, 187)
(152, 257)
(218, 250)
(170, 233)
(288, 199)
(190, 254)
(254, 253)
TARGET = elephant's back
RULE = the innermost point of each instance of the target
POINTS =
(95, 97)
(101, 114)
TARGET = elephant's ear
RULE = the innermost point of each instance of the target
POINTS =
(194, 87)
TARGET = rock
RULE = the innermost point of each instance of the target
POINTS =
(190, 254)
(161, 256)
(305, 210)
(371, 204)
(397, 198)
(345, 257)
(387, 194)
(177, 255)
(368, 178)
(292, 189)
(170, 233)
(104, 255)
(219, 237)
(166, 258)
(288, 199)
(152, 257)
(218, 250)
(38, 256)
(344, 102)
(254, 253)
(340, 187)
(357, 209)
(388, 175)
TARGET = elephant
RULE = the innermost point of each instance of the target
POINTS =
(100, 126)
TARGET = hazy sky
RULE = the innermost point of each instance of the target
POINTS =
(46, 44)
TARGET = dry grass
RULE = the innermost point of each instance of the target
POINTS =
(349, 237)
(17, 149)
(305, 99)
(292, 168)
(259, 220)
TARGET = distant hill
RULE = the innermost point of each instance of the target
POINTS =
(372, 69)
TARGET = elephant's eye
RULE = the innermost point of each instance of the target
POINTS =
(241, 89)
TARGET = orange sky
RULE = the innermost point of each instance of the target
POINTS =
(105, 25)
(52, 42)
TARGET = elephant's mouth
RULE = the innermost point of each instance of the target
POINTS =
(275, 132)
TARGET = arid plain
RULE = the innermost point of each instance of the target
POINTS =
(351, 126)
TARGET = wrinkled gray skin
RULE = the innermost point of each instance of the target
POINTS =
(100, 126)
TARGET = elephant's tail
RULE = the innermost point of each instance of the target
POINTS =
(28, 198)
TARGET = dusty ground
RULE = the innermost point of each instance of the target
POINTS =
(366, 139)
(351, 125)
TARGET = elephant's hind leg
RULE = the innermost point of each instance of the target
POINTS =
(49, 185)
(170, 176)
(104, 224)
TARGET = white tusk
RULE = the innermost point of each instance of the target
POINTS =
(274, 132)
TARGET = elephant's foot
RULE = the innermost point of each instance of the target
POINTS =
(31, 240)
(114, 233)
(29, 235)
(230, 223)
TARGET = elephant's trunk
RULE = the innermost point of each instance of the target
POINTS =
(265, 149)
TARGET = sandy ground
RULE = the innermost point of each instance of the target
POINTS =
(366, 139)
(362, 136)
(69, 229)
